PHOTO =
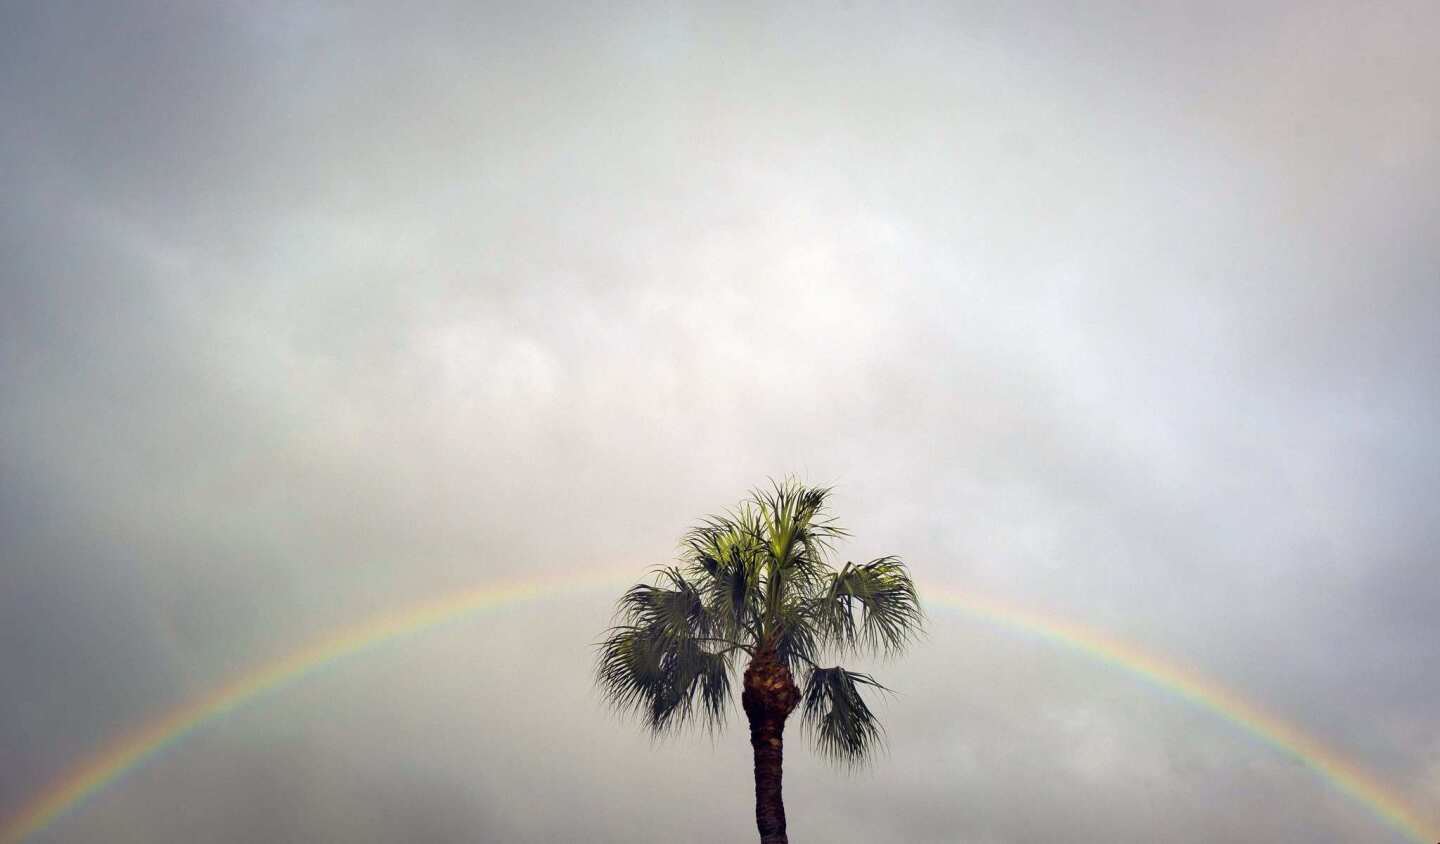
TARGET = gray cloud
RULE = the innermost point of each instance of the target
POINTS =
(306, 313)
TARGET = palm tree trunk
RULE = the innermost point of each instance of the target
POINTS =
(767, 740)
(769, 697)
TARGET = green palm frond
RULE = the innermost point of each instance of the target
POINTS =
(628, 669)
(733, 596)
(725, 560)
(796, 529)
(844, 728)
(796, 642)
(667, 681)
(675, 605)
(870, 606)
(664, 660)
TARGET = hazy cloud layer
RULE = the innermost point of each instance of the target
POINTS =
(307, 311)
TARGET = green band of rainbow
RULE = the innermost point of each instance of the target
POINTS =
(134, 749)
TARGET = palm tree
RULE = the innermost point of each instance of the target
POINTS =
(757, 582)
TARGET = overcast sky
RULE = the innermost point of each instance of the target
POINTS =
(1128, 315)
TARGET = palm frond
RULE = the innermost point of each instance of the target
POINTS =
(795, 639)
(667, 681)
(795, 532)
(844, 728)
(663, 659)
(724, 561)
(675, 605)
(871, 606)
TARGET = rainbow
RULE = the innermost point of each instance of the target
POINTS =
(1346, 777)
(134, 749)
(130, 751)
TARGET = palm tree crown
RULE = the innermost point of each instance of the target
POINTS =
(758, 581)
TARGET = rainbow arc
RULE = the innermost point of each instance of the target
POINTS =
(130, 751)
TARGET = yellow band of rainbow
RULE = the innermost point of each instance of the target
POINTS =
(133, 749)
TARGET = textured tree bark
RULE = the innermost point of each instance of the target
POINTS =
(769, 697)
